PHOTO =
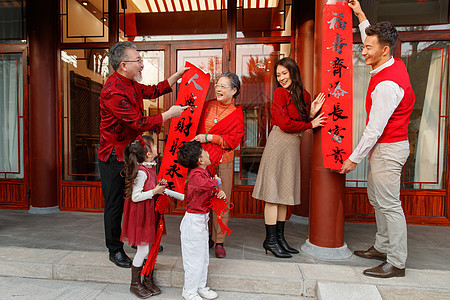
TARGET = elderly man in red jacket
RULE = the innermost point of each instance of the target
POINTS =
(122, 120)
(389, 103)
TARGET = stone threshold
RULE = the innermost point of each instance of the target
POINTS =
(230, 275)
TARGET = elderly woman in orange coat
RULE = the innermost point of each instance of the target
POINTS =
(220, 131)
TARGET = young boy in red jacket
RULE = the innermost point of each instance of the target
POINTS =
(194, 226)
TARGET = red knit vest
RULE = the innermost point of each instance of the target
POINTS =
(396, 129)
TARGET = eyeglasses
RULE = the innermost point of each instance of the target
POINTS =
(139, 60)
(222, 87)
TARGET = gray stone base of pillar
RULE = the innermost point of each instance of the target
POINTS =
(326, 253)
(43, 210)
(299, 220)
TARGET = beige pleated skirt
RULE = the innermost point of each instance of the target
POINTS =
(278, 179)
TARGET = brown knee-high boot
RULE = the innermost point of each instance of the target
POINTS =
(136, 286)
(150, 285)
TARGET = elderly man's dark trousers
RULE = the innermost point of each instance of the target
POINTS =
(113, 192)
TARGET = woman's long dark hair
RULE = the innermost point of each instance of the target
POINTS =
(296, 88)
(134, 154)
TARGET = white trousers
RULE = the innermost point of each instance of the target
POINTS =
(195, 250)
(383, 189)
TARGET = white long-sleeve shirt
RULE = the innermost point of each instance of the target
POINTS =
(385, 98)
(138, 194)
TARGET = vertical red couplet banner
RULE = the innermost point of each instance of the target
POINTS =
(193, 88)
(337, 83)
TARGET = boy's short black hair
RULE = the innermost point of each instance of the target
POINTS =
(189, 153)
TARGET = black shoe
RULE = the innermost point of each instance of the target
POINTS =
(120, 258)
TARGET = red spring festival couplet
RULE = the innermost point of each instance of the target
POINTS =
(193, 88)
(337, 83)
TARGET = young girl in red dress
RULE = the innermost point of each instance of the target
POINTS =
(139, 218)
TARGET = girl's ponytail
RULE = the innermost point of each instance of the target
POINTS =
(130, 169)
(134, 154)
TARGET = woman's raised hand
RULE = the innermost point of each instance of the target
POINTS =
(317, 104)
(319, 121)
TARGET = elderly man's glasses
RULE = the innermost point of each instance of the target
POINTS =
(139, 60)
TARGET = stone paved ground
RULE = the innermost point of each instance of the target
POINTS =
(37, 249)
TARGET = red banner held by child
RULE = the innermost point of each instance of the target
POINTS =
(337, 83)
(193, 88)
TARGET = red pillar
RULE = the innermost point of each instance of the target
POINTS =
(304, 52)
(42, 19)
(326, 219)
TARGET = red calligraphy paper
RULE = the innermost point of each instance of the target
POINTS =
(193, 88)
(337, 84)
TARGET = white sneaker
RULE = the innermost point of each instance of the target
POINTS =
(189, 296)
(207, 293)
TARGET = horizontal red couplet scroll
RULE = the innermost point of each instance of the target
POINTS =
(337, 83)
(193, 88)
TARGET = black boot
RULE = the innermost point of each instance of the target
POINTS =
(280, 238)
(136, 286)
(271, 244)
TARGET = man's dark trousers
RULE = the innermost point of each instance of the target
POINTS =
(113, 191)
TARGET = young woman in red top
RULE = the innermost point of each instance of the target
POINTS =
(278, 181)
(139, 217)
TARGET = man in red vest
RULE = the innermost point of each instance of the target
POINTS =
(389, 102)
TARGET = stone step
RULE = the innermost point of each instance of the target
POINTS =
(252, 277)
(346, 291)
(36, 289)
(351, 291)
(224, 274)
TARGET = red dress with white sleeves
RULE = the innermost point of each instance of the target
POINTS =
(139, 219)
